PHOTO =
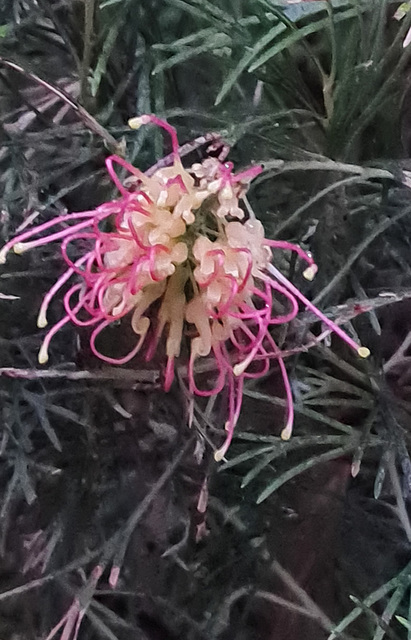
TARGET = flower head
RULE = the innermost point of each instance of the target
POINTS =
(179, 256)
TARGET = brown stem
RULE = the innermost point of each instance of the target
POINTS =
(90, 122)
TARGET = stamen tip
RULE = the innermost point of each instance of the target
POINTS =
(19, 248)
(363, 352)
(310, 272)
(42, 321)
(43, 356)
(219, 454)
(137, 122)
(240, 367)
(286, 433)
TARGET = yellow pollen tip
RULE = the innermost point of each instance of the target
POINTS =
(3, 255)
(310, 272)
(42, 320)
(286, 433)
(136, 123)
(43, 355)
(239, 368)
(220, 453)
(19, 248)
(363, 352)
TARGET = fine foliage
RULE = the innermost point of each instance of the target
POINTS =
(124, 512)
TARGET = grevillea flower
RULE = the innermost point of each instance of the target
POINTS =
(178, 255)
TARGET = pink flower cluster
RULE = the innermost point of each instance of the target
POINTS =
(178, 255)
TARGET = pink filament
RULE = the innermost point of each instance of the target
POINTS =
(248, 174)
(221, 367)
(52, 332)
(118, 361)
(123, 163)
(282, 244)
(167, 127)
(334, 327)
(57, 285)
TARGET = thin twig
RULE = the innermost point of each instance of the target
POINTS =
(287, 604)
(345, 182)
(302, 596)
(377, 231)
(275, 167)
(109, 373)
(399, 355)
(401, 506)
(83, 114)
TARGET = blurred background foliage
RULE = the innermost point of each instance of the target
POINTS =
(303, 539)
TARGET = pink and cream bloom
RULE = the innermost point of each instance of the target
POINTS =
(179, 256)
